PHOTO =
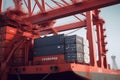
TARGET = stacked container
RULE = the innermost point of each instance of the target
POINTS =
(51, 45)
(6, 35)
(49, 50)
(74, 49)
(86, 52)
(58, 49)
(19, 57)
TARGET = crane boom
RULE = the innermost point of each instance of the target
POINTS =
(70, 10)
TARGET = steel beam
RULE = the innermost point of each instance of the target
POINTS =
(29, 8)
(98, 31)
(70, 26)
(91, 38)
(1, 5)
(70, 10)
(65, 27)
(42, 8)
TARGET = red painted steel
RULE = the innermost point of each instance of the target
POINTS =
(42, 69)
(70, 10)
(1, 5)
(64, 27)
(90, 37)
(22, 41)
(48, 60)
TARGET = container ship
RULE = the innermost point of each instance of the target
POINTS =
(31, 48)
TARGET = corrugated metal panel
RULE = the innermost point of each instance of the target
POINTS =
(73, 39)
(18, 61)
(5, 43)
(86, 50)
(6, 33)
(74, 48)
(86, 42)
(71, 57)
(6, 36)
(4, 52)
(74, 57)
(51, 40)
(19, 53)
(80, 57)
(8, 29)
(18, 58)
(52, 59)
(49, 50)
(86, 58)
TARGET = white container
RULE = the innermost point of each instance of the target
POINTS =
(86, 42)
(86, 59)
(86, 50)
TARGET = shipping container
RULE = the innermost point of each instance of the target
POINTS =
(8, 29)
(51, 40)
(6, 36)
(86, 42)
(74, 57)
(19, 53)
(52, 59)
(19, 61)
(18, 58)
(74, 39)
(80, 57)
(4, 52)
(49, 50)
(5, 43)
(74, 48)
(71, 57)
(86, 50)
(86, 58)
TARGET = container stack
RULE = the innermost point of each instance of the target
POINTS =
(6, 35)
(7, 38)
(19, 57)
(74, 49)
(71, 47)
(49, 50)
(86, 52)
(51, 45)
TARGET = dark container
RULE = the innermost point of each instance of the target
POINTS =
(2, 30)
(5, 43)
(74, 57)
(73, 39)
(19, 53)
(74, 48)
(71, 57)
(4, 52)
(51, 40)
(49, 50)
(19, 61)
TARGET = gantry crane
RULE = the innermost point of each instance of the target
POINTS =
(30, 26)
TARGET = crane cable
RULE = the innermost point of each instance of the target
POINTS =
(74, 31)
(46, 76)
(18, 75)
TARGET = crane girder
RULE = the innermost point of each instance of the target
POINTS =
(64, 27)
(70, 10)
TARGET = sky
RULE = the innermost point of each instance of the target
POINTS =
(111, 15)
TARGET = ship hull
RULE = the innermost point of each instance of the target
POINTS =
(68, 75)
